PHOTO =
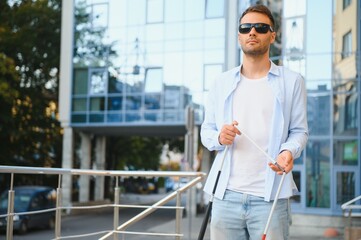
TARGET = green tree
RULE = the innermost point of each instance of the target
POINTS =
(90, 43)
(30, 36)
(9, 80)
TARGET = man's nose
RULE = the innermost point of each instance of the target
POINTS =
(253, 31)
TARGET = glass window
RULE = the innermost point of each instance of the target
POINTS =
(214, 28)
(193, 71)
(115, 103)
(153, 80)
(155, 11)
(210, 73)
(133, 103)
(214, 8)
(299, 160)
(132, 117)
(99, 15)
(345, 152)
(294, 41)
(172, 95)
(346, 45)
(318, 173)
(346, 3)
(136, 12)
(194, 9)
(297, 179)
(174, 11)
(80, 81)
(318, 112)
(293, 8)
(79, 104)
(173, 31)
(96, 118)
(97, 104)
(351, 112)
(115, 85)
(98, 81)
(152, 101)
(173, 69)
(134, 83)
(78, 118)
(194, 29)
(345, 114)
(114, 117)
(345, 187)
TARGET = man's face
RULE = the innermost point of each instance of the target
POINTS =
(254, 43)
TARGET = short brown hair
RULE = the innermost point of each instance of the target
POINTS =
(259, 8)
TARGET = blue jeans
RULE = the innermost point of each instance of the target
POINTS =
(244, 217)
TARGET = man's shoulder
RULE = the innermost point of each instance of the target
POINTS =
(285, 71)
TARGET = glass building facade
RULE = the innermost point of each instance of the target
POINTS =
(141, 62)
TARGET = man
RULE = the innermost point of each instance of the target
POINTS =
(268, 103)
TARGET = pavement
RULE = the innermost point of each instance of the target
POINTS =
(190, 226)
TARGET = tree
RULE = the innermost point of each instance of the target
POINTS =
(30, 36)
(9, 80)
(90, 43)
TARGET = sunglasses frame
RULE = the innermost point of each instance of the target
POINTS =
(257, 26)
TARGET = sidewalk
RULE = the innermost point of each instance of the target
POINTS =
(197, 222)
(190, 227)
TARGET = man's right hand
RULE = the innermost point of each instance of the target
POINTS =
(228, 133)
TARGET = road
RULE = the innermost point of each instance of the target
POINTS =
(101, 220)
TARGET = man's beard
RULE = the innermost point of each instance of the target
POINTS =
(255, 52)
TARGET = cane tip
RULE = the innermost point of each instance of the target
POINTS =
(264, 237)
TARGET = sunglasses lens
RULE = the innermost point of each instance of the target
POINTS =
(259, 27)
(245, 28)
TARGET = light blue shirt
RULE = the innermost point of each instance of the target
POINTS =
(288, 131)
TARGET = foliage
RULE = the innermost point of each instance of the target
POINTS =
(135, 152)
(30, 36)
(139, 152)
(8, 95)
(90, 45)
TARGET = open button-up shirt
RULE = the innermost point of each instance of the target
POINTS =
(288, 131)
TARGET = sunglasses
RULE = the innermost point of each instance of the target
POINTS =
(259, 27)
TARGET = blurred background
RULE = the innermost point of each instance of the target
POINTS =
(121, 85)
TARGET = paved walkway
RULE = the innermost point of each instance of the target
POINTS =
(190, 227)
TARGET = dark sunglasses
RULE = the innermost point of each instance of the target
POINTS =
(259, 27)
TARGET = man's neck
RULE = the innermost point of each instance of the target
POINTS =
(255, 67)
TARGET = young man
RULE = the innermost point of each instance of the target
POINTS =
(268, 103)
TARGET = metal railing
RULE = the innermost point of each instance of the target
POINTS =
(350, 206)
(117, 229)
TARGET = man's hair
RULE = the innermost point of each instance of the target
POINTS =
(259, 8)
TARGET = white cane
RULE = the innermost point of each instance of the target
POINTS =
(279, 186)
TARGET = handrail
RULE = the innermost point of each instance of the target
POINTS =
(198, 176)
(119, 173)
(348, 205)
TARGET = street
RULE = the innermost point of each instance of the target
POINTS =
(100, 221)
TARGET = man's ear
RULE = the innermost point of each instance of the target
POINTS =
(273, 37)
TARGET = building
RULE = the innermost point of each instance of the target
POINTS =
(133, 66)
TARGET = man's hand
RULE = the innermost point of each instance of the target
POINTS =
(285, 161)
(228, 133)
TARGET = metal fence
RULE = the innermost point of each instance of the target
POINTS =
(116, 229)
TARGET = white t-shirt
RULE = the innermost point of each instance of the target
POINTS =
(253, 103)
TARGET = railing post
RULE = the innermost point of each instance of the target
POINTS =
(178, 215)
(58, 209)
(10, 221)
(116, 208)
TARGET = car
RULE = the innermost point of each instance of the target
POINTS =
(173, 184)
(29, 198)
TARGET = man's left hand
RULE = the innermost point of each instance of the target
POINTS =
(285, 161)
